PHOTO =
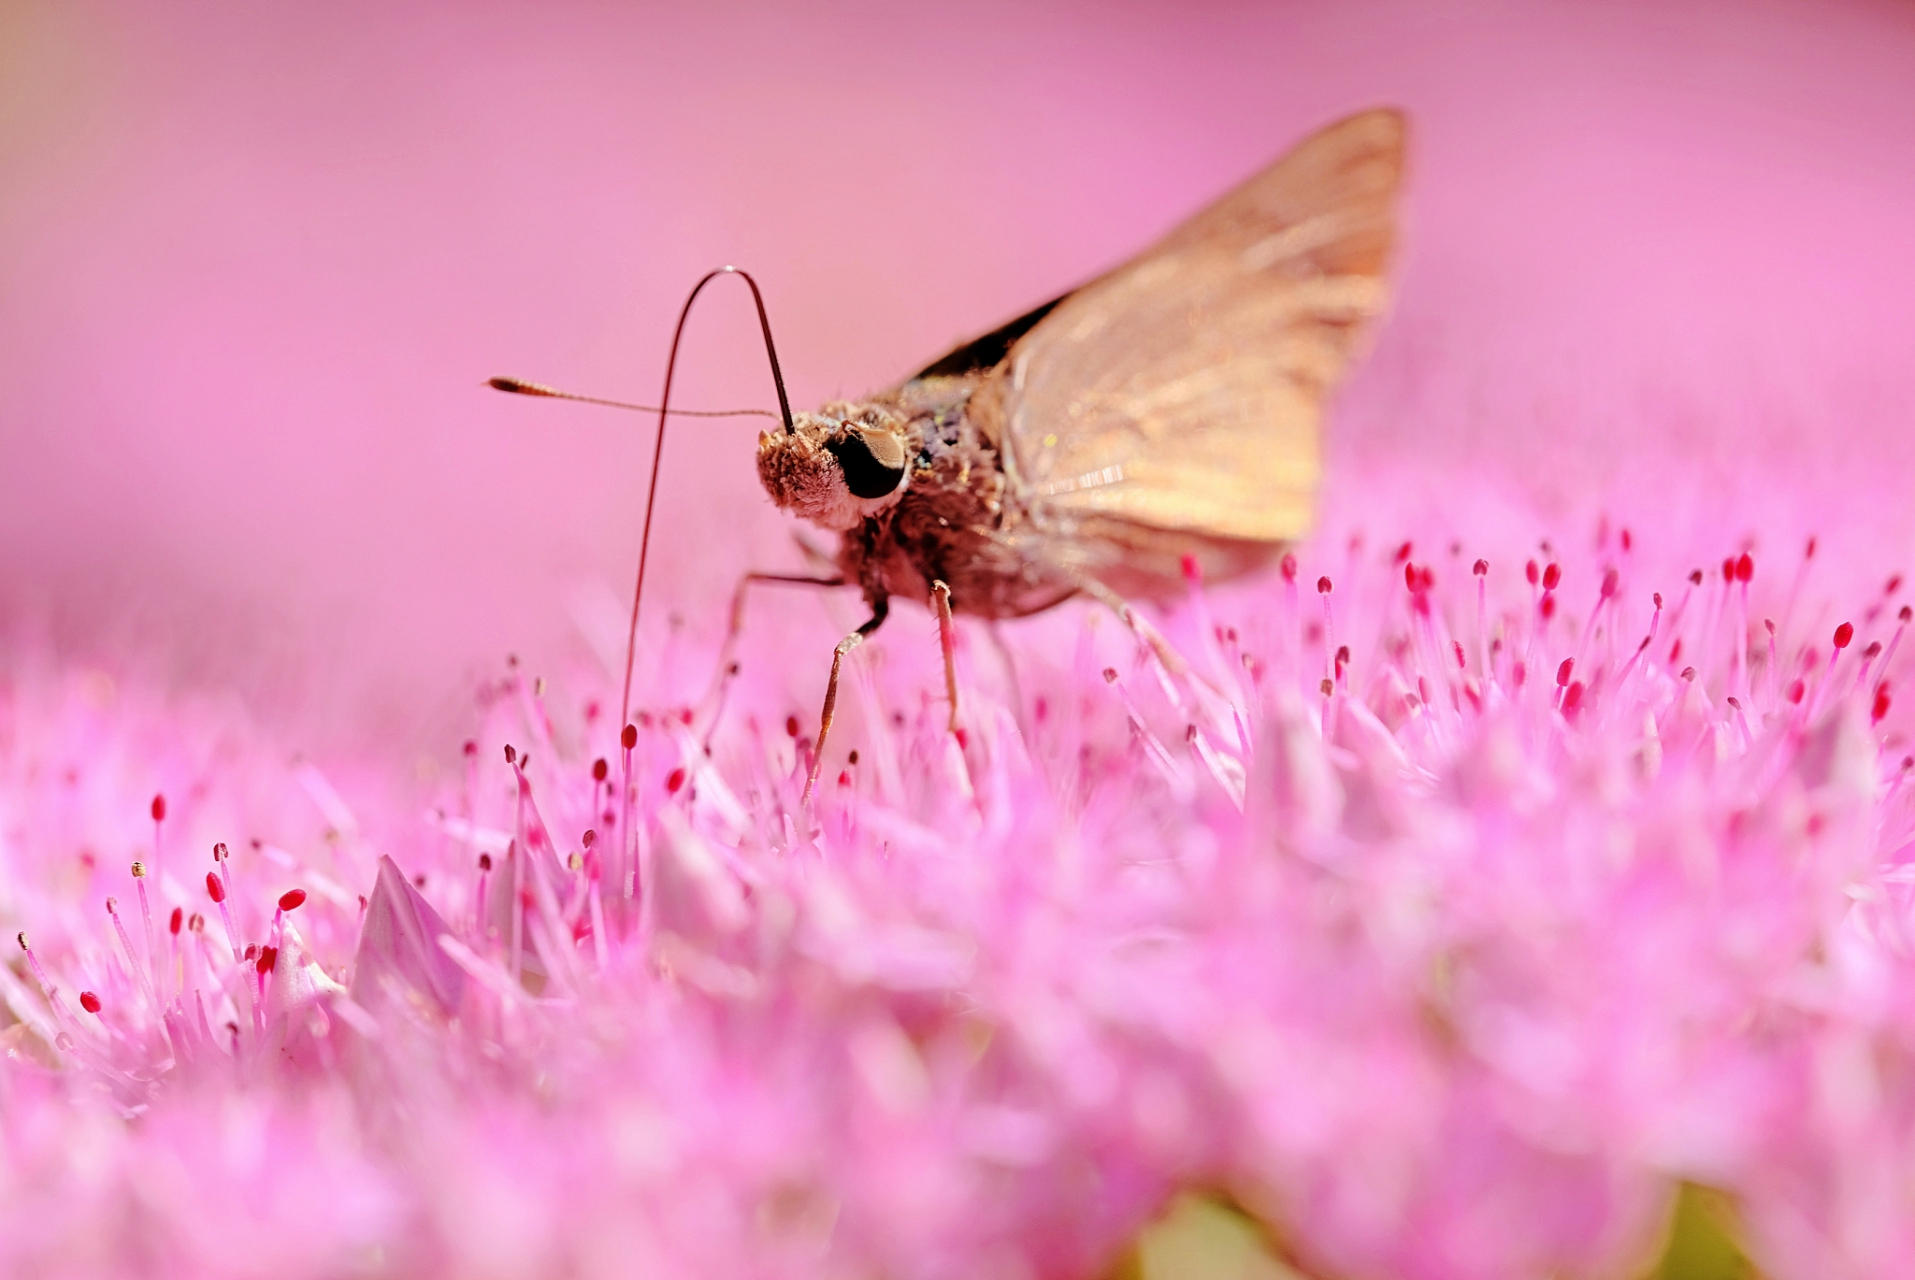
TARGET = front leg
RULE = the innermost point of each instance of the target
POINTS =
(727, 667)
(880, 609)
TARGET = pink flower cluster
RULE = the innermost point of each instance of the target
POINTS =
(1446, 914)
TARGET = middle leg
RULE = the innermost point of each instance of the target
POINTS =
(947, 640)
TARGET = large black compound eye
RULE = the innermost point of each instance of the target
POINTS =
(872, 460)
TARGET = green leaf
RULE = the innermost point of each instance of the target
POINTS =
(1704, 1239)
(1200, 1237)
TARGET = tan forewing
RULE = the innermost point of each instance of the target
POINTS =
(1183, 391)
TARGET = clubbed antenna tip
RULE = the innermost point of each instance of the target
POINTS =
(518, 387)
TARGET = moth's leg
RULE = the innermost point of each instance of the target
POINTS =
(880, 609)
(1140, 627)
(727, 667)
(947, 640)
(1214, 701)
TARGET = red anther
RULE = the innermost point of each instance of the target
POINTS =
(675, 781)
(1880, 708)
(1428, 575)
(1627, 541)
(1728, 568)
(600, 769)
(1480, 568)
(1770, 624)
(1572, 698)
(292, 899)
(1744, 567)
(589, 838)
(471, 747)
(1905, 615)
(1808, 552)
(1531, 572)
(1611, 582)
(1563, 672)
(628, 736)
(1548, 607)
(1844, 634)
(1343, 655)
(1410, 578)
(89, 1002)
(485, 862)
(1689, 673)
(219, 852)
(174, 921)
(195, 923)
(844, 777)
(963, 738)
(1461, 663)
(1193, 572)
(214, 889)
(1552, 576)
(1734, 702)
(1289, 567)
(1675, 651)
(268, 957)
(1873, 651)
(685, 716)
(1657, 597)
(252, 951)
(1403, 553)
(1519, 672)
(1796, 690)
(1695, 577)
(511, 754)
(1323, 586)
(1110, 675)
(1894, 585)
(791, 726)
(159, 808)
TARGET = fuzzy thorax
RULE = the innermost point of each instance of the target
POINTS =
(839, 466)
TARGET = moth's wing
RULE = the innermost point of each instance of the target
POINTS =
(1183, 391)
(986, 351)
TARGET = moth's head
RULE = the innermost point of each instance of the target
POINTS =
(837, 466)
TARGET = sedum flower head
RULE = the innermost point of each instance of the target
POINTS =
(1427, 915)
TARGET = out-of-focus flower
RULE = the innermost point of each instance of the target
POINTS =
(1442, 921)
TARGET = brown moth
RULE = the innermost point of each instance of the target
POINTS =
(1167, 411)
(1169, 408)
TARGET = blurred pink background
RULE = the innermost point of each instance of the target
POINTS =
(254, 264)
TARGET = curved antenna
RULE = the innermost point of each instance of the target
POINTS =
(520, 387)
(658, 450)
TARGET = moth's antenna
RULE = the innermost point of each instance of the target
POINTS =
(664, 410)
(658, 451)
(519, 386)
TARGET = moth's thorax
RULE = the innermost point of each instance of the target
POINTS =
(841, 465)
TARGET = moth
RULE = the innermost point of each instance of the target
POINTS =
(1165, 413)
